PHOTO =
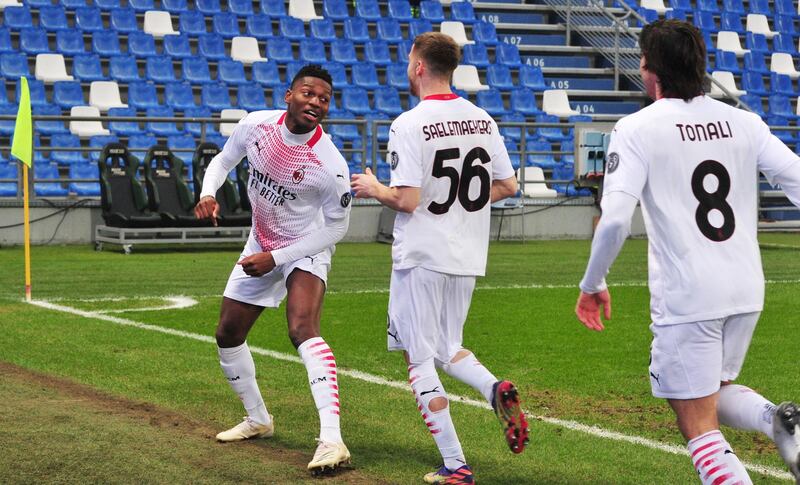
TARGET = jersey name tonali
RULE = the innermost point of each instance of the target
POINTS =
(694, 165)
(452, 151)
(293, 179)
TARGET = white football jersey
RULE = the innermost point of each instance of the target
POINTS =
(452, 151)
(694, 167)
(295, 181)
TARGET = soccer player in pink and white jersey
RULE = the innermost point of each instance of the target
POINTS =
(300, 195)
(448, 164)
(693, 163)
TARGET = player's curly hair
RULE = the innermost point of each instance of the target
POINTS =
(439, 51)
(675, 51)
(313, 70)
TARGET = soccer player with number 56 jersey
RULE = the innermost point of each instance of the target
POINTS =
(448, 164)
(693, 162)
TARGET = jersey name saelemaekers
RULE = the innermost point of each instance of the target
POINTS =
(452, 151)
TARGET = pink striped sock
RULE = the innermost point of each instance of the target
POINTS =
(715, 462)
(321, 368)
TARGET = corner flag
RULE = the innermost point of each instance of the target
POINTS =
(23, 130)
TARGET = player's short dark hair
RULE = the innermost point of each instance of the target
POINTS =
(313, 70)
(675, 51)
(439, 51)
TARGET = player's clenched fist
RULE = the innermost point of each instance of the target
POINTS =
(365, 185)
(207, 208)
(257, 264)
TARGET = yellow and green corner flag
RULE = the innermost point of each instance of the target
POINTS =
(22, 148)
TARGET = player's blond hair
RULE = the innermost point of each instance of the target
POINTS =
(439, 51)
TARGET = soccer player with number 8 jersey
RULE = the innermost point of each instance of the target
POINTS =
(448, 164)
(693, 162)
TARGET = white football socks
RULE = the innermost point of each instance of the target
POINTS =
(470, 371)
(426, 386)
(321, 368)
(742, 408)
(715, 461)
(240, 370)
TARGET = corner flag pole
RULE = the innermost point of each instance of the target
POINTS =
(22, 148)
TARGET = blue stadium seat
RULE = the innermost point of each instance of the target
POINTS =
(335, 9)
(730, 21)
(292, 28)
(312, 51)
(36, 91)
(5, 102)
(344, 131)
(84, 171)
(195, 129)
(72, 4)
(107, 4)
(756, 42)
(413, 101)
(216, 96)
(323, 29)
(66, 140)
(33, 40)
(87, 68)
(492, 101)
(356, 100)
(513, 153)
(507, 54)
(484, 33)
(377, 52)
(123, 20)
(106, 43)
(400, 10)
(676, 15)
(782, 84)
(418, 26)
(162, 128)
(226, 24)
(141, 44)
(356, 29)
(754, 61)
(8, 171)
(649, 15)
(683, 5)
(185, 141)
(195, 70)
(177, 46)
(17, 17)
(35, 4)
(88, 19)
(259, 26)
(531, 77)
(753, 83)
(545, 161)
(708, 6)
(292, 68)
(512, 132)
(387, 100)
(785, 7)
(46, 127)
(124, 128)
(403, 48)
(761, 7)
(142, 95)
(192, 22)
(67, 94)
(211, 46)
(338, 74)
(278, 95)
(462, 12)
(142, 5)
(704, 21)
(179, 95)
(231, 72)
(242, 8)
(47, 189)
(431, 10)
(784, 43)
(141, 143)
(70, 42)
(251, 97)
(343, 50)
(7, 126)
(734, 6)
(174, 6)
(5, 41)
(368, 10)
(207, 7)
(389, 31)
(274, 8)
(786, 136)
(499, 77)
(726, 61)
(265, 73)
(123, 69)
(159, 69)
(279, 50)
(14, 65)
(53, 17)
(785, 25)
(365, 75)
(397, 76)
(550, 133)
(476, 55)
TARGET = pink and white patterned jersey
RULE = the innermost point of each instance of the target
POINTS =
(296, 182)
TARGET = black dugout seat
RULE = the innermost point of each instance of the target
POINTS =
(230, 209)
(169, 194)
(122, 197)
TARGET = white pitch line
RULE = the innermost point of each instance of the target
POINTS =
(572, 425)
(174, 303)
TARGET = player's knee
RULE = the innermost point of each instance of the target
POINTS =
(229, 335)
(300, 331)
(437, 404)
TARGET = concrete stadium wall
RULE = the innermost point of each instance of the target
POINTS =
(76, 226)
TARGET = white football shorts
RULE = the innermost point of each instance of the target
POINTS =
(427, 311)
(688, 360)
(269, 290)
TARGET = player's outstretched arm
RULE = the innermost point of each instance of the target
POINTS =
(403, 199)
(588, 309)
(207, 208)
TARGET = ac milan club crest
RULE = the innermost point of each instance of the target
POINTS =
(298, 175)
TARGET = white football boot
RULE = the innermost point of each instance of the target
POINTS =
(246, 430)
(786, 426)
(328, 456)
